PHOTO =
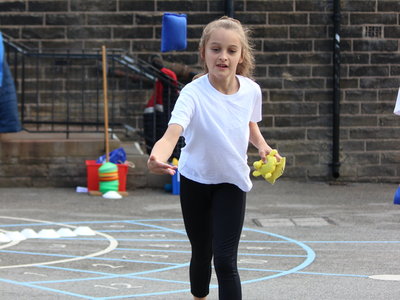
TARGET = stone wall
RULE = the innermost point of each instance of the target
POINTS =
(43, 160)
(293, 43)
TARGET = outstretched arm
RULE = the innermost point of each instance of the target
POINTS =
(259, 142)
(162, 150)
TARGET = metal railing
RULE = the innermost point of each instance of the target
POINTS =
(62, 91)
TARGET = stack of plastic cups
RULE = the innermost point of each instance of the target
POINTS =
(108, 178)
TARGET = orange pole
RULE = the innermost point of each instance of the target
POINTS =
(107, 146)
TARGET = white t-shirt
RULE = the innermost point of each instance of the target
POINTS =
(216, 131)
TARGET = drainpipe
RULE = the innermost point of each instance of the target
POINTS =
(336, 90)
(229, 8)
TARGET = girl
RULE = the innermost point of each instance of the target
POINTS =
(217, 113)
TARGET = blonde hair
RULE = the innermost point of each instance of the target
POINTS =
(245, 68)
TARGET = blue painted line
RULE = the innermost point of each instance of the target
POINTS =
(103, 275)
(264, 270)
(157, 220)
(121, 239)
(134, 261)
(309, 258)
(38, 253)
(145, 295)
(160, 270)
(158, 227)
(265, 242)
(304, 273)
(154, 240)
(107, 275)
(45, 288)
(160, 279)
(333, 274)
(151, 250)
(86, 222)
(91, 258)
(30, 225)
(322, 242)
(133, 230)
(271, 255)
(351, 242)
(189, 252)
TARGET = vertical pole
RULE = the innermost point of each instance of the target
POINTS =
(336, 91)
(67, 94)
(22, 89)
(104, 60)
(229, 8)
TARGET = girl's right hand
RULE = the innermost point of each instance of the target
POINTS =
(160, 168)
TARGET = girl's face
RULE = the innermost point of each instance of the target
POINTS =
(222, 54)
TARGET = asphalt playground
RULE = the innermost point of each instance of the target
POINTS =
(300, 241)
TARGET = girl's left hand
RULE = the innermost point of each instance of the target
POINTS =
(264, 153)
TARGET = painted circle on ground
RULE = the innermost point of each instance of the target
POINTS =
(161, 247)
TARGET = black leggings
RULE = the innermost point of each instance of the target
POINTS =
(213, 216)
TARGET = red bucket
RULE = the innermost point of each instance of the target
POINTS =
(92, 172)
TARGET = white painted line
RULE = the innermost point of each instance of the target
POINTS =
(257, 248)
(36, 274)
(253, 261)
(115, 226)
(62, 246)
(105, 286)
(107, 265)
(386, 277)
(113, 243)
(154, 255)
(153, 235)
(160, 245)
(123, 285)
(126, 285)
